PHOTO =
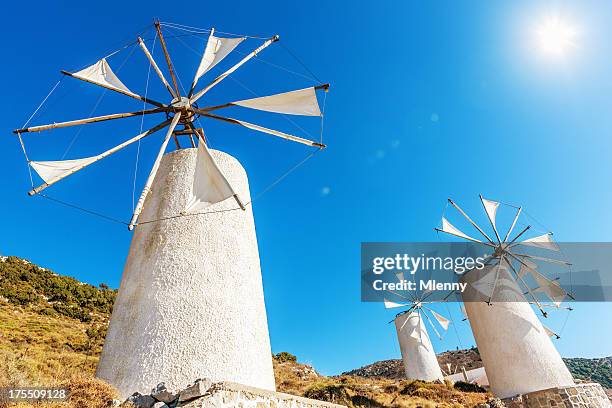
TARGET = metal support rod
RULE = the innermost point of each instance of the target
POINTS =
(121, 91)
(156, 67)
(234, 68)
(168, 61)
(147, 187)
(88, 120)
(99, 157)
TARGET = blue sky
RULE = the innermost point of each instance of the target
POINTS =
(428, 100)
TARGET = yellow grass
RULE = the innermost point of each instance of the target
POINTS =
(54, 351)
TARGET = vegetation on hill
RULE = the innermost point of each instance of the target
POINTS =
(25, 284)
(591, 369)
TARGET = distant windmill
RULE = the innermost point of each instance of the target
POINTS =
(418, 355)
(191, 303)
(515, 347)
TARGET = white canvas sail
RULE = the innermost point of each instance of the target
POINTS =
(491, 210)
(300, 102)
(50, 170)
(549, 332)
(390, 305)
(444, 322)
(209, 185)
(542, 241)
(101, 73)
(217, 49)
(552, 289)
(526, 267)
(450, 229)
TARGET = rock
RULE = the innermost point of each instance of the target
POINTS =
(161, 393)
(160, 404)
(195, 390)
(496, 403)
(141, 401)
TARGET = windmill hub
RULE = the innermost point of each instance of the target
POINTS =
(183, 105)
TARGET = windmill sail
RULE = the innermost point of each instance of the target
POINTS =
(390, 305)
(216, 50)
(444, 322)
(209, 185)
(102, 74)
(550, 288)
(550, 333)
(491, 210)
(542, 241)
(50, 170)
(450, 229)
(526, 266)
(299, 102)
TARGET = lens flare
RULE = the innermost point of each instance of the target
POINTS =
(555, 36)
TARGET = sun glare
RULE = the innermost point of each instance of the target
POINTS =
(555, 36)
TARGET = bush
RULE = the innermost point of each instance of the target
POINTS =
(327, 390)
(283, 356)
(468, 387)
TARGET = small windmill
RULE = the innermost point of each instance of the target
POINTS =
(510, 252)
(181, 109)
(418, 355)
(515, 347)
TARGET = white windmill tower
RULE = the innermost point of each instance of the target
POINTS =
(191, 302)
(418, 354)
(515, 347)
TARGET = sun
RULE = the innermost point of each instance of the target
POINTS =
(555, 36)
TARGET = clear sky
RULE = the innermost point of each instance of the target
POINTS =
(429, 100)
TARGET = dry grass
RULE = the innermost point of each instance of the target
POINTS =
(368, 392)
(55, 351)
(37, 350)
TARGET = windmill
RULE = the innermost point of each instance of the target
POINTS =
(515, 347)
(190, 304)
(418, 355)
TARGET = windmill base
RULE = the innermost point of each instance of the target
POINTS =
(191, 302)
(590, 395)
(204, 393)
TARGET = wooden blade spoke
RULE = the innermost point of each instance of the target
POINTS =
(263, 129)
(89, 120)
(121, 91)
(168, 60)
(234, 68)
(99, 157)
(156, 67)
(147, 187)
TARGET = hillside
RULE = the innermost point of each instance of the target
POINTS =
(394, 369)
(585, 369)
(52, 329)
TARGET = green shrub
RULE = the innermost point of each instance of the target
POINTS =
(283, 356)
(468, 387)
